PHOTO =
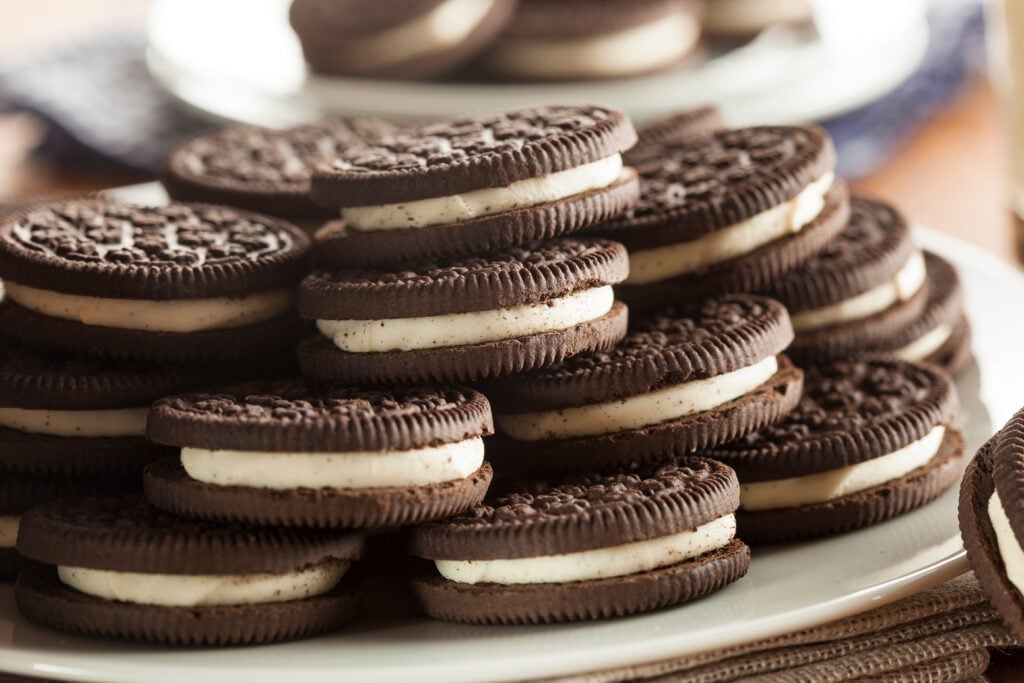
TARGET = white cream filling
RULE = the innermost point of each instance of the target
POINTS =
(621, 560)
(486, 202)
(9, 530)
(122, 422)
(635, 412)
(477, 327)
(1009, 549)
(649, 46)
(903, 287)
(832, 484)
(174, 315)
(750, 16)
(184, 590)
(660, 263)
(351, 470)
(444, 26)
(925, 345)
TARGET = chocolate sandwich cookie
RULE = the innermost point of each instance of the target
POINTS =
(588, 547)
(746, 18)
(293, 453)
(184, 282)
(868, 284)
(675, 128)
(942, 334)
(263, 169)
(727, 211)
(991, 522)
(578, 39)
(679, 382)
(395, 38)
(869, 440)
(21, 492)
(465, 319)
(120, 568)
(476, 184)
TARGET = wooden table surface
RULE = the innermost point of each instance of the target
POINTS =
(950, 175)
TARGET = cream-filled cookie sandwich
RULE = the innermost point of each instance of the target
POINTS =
(681, 381)
(299, 454)
(184, 282)
(120, 568)
(464, 319)
(475, 184)
(870, 440)
(587, 547)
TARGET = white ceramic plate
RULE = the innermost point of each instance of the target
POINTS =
(787, 588)
(247, 66)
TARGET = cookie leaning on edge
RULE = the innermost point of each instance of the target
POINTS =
(679, 382)
(464, 319)
(675, 128)
(991, 522)
(123, 569)
(727, 211)
(184, 282)
(476, 184)
(589, 547)
(870, 440)
(293, 453)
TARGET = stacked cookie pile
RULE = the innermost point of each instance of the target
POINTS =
(476, 262)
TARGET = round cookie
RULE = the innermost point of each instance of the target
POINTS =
(21, 492)
(293, 453)
(869, 440)
(122, 569)
(867, 285)
(727, 211)
(184, 282)
(588, 547)
(675, 129)
(263, 169)
(679, 382)
(941, 335)
(991, 524)
(466, 319)
(581, 40)
(476, 184)
(407, 39)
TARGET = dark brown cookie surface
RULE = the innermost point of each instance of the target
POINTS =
(127, 534)
(514, 277)
(675, 128)
(704, 183)
(850, 412)
(181, 251)
(169, 487)
(69, 456)
(870, 250)
(583, 513)
(298, 416)
(21, 492)
(473, 153)
(262, 169)
(719, 336)
(42, 598)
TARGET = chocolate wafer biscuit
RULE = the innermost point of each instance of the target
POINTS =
(675, 128)
(727, 211)
(867, 285)
(184, 282)
(991, 524)
(577, 39)
(476, 184)
(263, 169)
(395, 38)
(466, 319)
(869, 440)
(588, 547)
(120, 568)
(679, 382)
(293, 453)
